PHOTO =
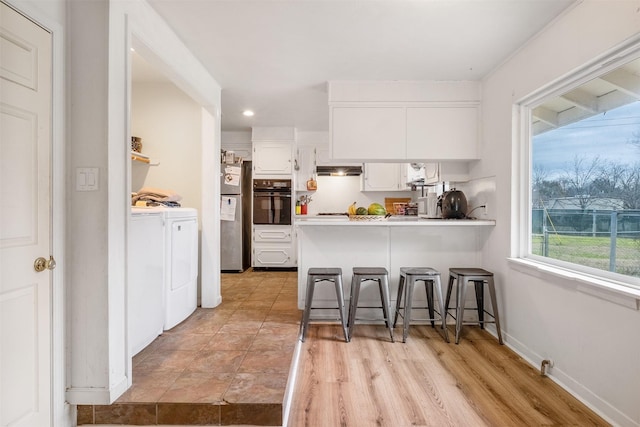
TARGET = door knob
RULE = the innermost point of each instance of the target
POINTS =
(41, 264)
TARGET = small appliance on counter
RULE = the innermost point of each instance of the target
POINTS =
(453, 204)
(428, 206)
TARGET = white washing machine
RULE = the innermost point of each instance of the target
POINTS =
(146, 277)
(181, 264)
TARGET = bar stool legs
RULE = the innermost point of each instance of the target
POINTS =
(479, 277)
(408, 278)
(363, 274)
(317, 275)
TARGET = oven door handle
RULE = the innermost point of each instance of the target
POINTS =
(260, 194)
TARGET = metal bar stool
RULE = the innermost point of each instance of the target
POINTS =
(376, 274)
(479, 277)
(408, 278)
(316, 275)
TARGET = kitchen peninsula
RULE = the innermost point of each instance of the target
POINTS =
(391, 243)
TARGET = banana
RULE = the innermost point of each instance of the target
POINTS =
(352, 209)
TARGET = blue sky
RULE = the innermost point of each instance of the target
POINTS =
(606, 134)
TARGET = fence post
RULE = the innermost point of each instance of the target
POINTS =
(545, 241)
(614, 236)
(594, 223)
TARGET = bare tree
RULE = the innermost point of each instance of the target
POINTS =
(630, 187)
(580, 176)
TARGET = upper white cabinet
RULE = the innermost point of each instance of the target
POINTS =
(442, 133)
(382, 177)
(368, 133)
(272, 158)
(404, 121)
(273, 150)
(389, 176)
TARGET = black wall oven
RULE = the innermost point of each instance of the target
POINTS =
(272, 201)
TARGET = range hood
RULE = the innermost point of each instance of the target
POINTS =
(339, 170)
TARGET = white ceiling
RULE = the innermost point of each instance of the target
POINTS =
(275, 57)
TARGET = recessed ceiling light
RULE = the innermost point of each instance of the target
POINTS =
(247, 113)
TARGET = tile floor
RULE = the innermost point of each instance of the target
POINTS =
(222, 366)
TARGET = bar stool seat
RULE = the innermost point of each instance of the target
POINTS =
(317, 275)
(479, 277)
(376, 274)
(408, 278)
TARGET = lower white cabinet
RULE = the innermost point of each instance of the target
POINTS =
(274, 246)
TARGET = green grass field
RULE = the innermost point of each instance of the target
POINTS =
(592, 251)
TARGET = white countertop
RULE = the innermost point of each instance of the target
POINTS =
(393, 221)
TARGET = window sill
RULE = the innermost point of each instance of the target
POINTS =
(609, 290)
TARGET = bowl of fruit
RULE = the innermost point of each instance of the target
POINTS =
(375, 212)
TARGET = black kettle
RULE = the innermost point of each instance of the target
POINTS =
(453, 204)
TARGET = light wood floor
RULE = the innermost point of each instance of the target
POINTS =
(424, 382)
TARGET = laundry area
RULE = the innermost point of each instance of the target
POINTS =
(163, 286)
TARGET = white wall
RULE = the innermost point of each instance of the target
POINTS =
(593, 341)
(168, 121)
(100, 34)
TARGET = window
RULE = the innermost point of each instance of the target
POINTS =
(584, 175)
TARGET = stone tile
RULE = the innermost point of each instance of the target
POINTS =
(241, 327)
(127, 413)
(266, 340)
(259, 304)
(167, 361)
(291, 329)
(85, 414)
(188, 413)
(226, 365)
(257, 388)
(202, 325)
(148, 387)
(285, 305)
(198, 387)
(184, 341)
(218, 361)
(249, 314)
(223, 341)
(284, 317)
(269, 361)
(251, 413)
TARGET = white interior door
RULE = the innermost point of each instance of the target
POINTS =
(25, 221)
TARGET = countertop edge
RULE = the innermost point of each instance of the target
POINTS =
(392, 223)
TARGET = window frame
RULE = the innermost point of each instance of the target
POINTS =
(521, 254)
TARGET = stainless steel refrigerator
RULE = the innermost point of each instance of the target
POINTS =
(235, 216)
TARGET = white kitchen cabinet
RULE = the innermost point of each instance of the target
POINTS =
(390, 176)
(440, 133)
(304, 166)
(274, 246)
(368, 133)
(383, 177)
(323, 158)
(404, 120)
(272, 158)
(446, 171)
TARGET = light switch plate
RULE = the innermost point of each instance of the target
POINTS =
(86, 179)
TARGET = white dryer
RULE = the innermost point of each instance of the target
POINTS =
(181, 264)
